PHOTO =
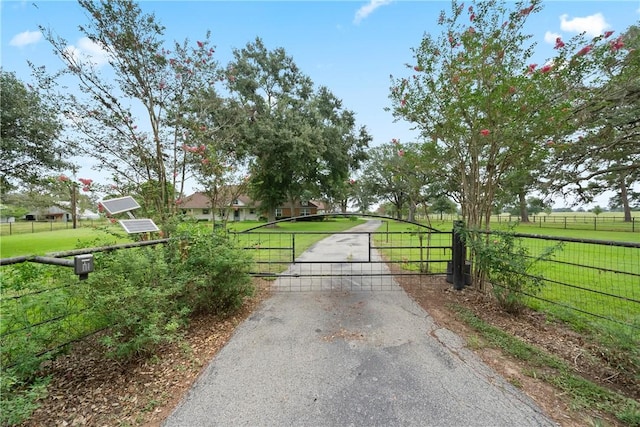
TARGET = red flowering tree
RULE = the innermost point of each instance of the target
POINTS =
(484, 105)
(131, 118)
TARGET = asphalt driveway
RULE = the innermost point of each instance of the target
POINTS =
(349, 356)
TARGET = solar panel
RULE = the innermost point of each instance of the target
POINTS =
(121, 204)
(138, 225)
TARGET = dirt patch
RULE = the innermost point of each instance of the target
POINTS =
(88, 389)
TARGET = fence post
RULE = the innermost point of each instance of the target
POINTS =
(293, 248)
(458, 251)
(595, 225)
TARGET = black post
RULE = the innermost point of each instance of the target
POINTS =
(458, 256)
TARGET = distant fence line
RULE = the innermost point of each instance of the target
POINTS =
(23, 227)
(567, 222)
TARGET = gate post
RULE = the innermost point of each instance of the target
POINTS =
(458, 252)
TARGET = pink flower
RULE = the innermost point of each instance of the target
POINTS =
(417, 68)
(526, 10)
(400, 153)
(531, 68)
(472, 30)
(585, 50)
(607, 34)
(559, 43)
(395, 141)
(352, 181)
(85, 181)
(617, 44)
(512, 89)
(100, 207)
(472, 17)
(63, 178)
(113, 220)
(200, 44)
(178, 201)
(205, 161)
(85, 189)
(403, 102)
(546, 68)
(485, 132)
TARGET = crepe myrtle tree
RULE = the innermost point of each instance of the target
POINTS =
(475, 94)
(604, 153)
(125, 106)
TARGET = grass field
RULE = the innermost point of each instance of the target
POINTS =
(274, 248)
(59, 240)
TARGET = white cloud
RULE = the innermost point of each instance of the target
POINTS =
(25, 38)
(550, 37)
(368, 9)
(86, 50)
(592, 25)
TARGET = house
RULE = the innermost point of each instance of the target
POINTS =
(52, 213)
(241, 208)
(198, 205)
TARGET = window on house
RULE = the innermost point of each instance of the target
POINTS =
(236, 202)
(205, 211)
(305, 211)
(252, 211)
(184, 211)
(278, 212)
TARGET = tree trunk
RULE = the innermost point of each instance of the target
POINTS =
(412, 211)
(624, 198)
(522, 203)
(74, 205)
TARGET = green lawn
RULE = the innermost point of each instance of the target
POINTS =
(580, 275)
(274, 248)
(59, 240)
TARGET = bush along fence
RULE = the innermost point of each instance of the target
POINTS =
(139, 296)
(578, 280)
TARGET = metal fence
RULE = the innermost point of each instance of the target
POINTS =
(594, 278)
(585, 279)
(23, 227)
(40, 315)
(587, 221)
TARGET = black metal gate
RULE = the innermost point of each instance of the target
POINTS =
(369, 256)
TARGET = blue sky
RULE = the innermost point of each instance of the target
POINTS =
(349, 46)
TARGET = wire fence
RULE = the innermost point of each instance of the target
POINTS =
(40, 312)
(586, 221)
(24, 227)
(585, 280)
(583, 277)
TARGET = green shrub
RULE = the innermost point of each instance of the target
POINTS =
(133, 291)
(213, 271)
(508, 266)
(18, 399)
